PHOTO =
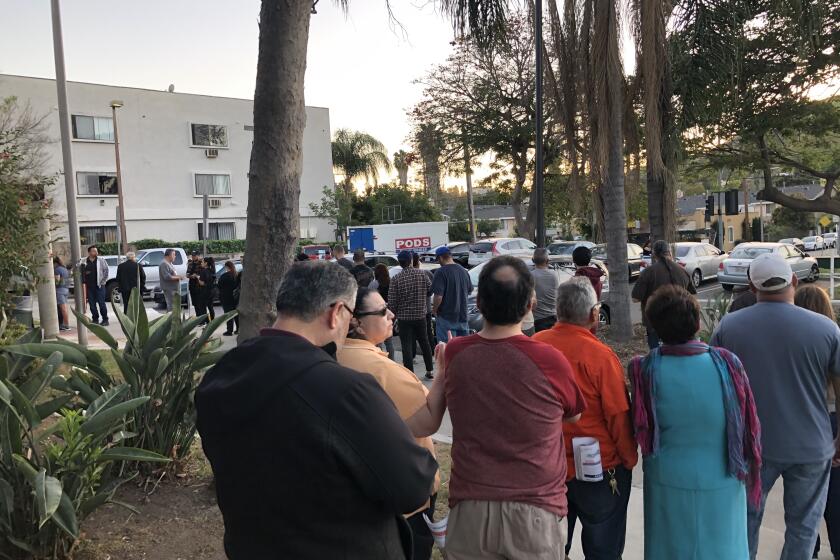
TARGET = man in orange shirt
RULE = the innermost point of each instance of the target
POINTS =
(600, 506)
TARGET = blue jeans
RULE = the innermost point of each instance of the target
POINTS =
(96, 296)
(444, 327)
(806, 487)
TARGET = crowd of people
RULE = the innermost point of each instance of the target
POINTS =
(318, 404)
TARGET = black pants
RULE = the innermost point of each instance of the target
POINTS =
(231, 322)
(125, 297)
(602, 514)
(203, 304)
(411, 332)
(422, 538)
(544, 324)
(832, 505)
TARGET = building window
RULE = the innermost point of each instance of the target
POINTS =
(209, 135)
(97, 184)
(213, 185)
(731, 233)
(91, 235)
(100, 129)
(218, 230)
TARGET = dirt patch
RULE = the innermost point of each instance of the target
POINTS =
(636, 346)
(180, 520)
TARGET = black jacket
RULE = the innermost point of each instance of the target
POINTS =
(363, 274)
(127, 273)
(227, 287)
(311, 459)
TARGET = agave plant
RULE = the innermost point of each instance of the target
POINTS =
(712, 313)
(162, 360)
(55, 449)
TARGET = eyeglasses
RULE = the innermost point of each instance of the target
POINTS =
(379, 313)
(344, 305)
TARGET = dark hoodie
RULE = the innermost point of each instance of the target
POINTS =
(311, 459)
(594, 274)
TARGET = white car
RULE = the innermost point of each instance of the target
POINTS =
(700, 260)
(830, 239)
(814, 243)
(486, 249)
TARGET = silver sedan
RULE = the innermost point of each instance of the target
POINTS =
(733, 271)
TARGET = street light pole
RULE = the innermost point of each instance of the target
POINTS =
(538, 143)
(123, 236)
(67, 161)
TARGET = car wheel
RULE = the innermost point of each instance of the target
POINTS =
(813, 274)
(726, 287)
(604, 316)
(112, 293)
(697, 278)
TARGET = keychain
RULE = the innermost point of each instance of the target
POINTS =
(613, 482)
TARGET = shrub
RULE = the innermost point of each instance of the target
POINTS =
(162, 360)
(54, 459)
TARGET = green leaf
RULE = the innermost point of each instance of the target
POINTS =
(100, 331)
(105, 418)
(128, 372)
(214, 324)
(45, 349)
(85, 391)
(131, 454)
(206, 360)
(39, 379)
(25, 468)
(65, 517)
(108, 398)
(50, 407)
(47, 496)
(4, 367)
(7, 498)
(24, 406)
(5, 394)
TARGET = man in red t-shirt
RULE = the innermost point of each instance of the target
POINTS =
(601, 506)
(508, 397)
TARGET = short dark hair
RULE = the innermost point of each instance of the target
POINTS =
(359, 255)
(503, 298)
(301, 257)
(674, 314)
(92, 247)
(540, 256)
(168, 252)
(582, 256)
(339, 247)
(309, 288)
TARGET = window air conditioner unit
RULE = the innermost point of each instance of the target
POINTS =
(211, 153)
(215, 202)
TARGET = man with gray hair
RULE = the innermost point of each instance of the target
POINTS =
(311, 459)
(130, 275)
(663, 272)
(600, 506)
(790, 354)
(545, 287)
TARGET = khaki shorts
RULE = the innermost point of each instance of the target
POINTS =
(504, 530)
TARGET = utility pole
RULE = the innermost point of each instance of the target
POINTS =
(206, 215)
(470, 205)
(538, 142)
(123, 236)
(67, 160)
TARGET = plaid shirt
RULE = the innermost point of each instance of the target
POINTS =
(408, 296)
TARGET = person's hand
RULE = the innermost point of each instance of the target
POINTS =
(440, 360)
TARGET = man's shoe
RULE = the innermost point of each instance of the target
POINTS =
(430, 375)
(64, 328)
(104, 323)
(228, 334)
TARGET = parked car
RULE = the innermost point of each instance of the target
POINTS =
(486, 249)
(634, 257)
(830, 239)
(317, 252)
(814, 243)
(700, 260)
(566, 248)
(564, 269)
(733, 270)
(160, 301)
(460, 253)
(795, 241)
(373, 259)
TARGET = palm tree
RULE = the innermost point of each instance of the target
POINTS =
(608, 85)
(430, 145)
(402, 161)
(276, 153)
(357, 154)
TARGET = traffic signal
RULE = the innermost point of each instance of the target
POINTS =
(710, 206)
(731, 199)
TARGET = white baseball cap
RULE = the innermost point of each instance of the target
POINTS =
(769, 272)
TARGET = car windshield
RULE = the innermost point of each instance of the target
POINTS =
(599, 252)
(481, 247)
(809, 239)
(749, 252)
(683, 251)
(562, 248)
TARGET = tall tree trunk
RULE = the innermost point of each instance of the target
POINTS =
(470, 204)
(276, 159)
(402, 171)
(432, 178)
(609, 84)
(524, 223)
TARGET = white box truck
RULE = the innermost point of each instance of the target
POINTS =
(393, 238)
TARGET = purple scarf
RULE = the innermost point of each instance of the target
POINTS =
(743, 431)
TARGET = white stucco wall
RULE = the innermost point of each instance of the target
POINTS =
(158, 162)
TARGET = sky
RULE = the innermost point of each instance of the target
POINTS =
(361, 66)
